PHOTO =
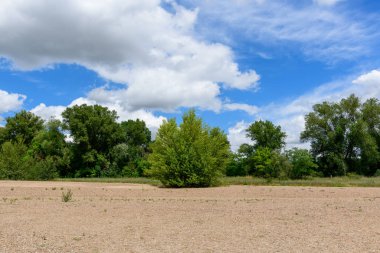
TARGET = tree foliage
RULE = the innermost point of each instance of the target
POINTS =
(191, 155)
(265, 134)
(95, 132)
(302, 163)
(344, 135)
(22, 127)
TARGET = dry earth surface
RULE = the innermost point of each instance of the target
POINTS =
(105, 217)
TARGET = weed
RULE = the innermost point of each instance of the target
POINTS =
(66, 197)
(12, 201)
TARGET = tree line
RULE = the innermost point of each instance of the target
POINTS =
(90, 142)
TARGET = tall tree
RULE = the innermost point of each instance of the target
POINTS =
(94, 131)
(265, 134)
(340, 136)
(136, 133)
(50, 149)
(24, 126)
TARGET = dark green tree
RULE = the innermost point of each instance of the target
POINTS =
(302, 163)
(23, 126)
(95, 132)
(341, 137)
(51, 151)
(191, 155)
(3, 136)
(265, 134)
(136, 133)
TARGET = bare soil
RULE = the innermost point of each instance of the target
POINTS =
(104, 217)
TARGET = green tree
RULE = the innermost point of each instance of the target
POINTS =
(341, 137)
(14, 162)
(191, 155)
(3, 133)
(51, 151)
(24, 126)
(95, 132)
(265, 134)
(270, 163)
(371, 155)
(129, 158)
(136, 133)
(302, 163)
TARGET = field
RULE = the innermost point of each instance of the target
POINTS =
(120, 217)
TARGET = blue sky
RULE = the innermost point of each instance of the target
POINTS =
(234, 61)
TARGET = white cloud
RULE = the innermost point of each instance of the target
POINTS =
(153, 122)
(329, 34)
(237, 135)
(48, 112)
(10, 101)
(153, 52)
(250, 109)
(326, 2)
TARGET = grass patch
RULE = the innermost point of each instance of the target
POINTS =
(315, 181)
(350, 181)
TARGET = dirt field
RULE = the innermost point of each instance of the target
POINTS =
(140, 218)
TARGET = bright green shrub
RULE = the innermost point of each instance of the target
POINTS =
(191, 155)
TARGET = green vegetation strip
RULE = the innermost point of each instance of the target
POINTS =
(129, 180)
(326, 182)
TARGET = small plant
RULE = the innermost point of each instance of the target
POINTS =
(66, 197)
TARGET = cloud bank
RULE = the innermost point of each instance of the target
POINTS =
(150, 50)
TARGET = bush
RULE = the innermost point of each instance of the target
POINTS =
(44, 169)
(67, 196)
(191, 155)
(302, 163)
(14, 161)
(270, 163)
(237, 166)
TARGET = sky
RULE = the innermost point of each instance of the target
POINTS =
(234, 61)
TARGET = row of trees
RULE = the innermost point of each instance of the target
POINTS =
(344, 138)
(99, 145)
(89, 142)
(264, 158)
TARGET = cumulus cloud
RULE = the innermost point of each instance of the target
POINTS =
(154, 53)
(10, 101)
(153, 122)
(290, 115)
(237, 135)
(48, 112)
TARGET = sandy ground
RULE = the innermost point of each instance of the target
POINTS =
(140, 218)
